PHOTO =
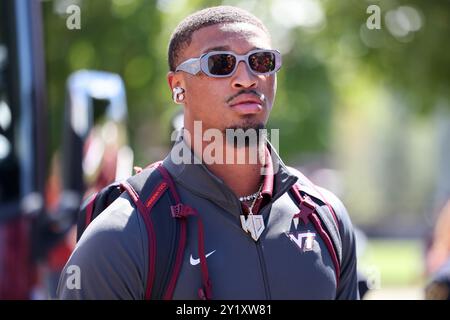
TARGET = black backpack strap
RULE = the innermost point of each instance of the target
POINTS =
(181, 212)
(165, 218)
(166, 230)
(145, 190)
(98, 201)
(177, 213)
(95, 204)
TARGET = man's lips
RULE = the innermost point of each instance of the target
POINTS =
(247, 105)
(242, 101)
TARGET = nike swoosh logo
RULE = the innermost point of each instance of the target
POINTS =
(195, 262)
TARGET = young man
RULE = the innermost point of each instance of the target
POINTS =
(248, 239)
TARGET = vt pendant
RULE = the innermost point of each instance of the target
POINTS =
(253, 224)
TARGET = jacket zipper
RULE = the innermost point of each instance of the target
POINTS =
(262, 264)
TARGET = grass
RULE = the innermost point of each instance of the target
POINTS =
(393, 262)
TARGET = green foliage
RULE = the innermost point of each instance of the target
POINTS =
(130, 38)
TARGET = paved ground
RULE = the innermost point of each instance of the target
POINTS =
(396, 293)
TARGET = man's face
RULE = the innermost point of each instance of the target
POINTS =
(226, 102)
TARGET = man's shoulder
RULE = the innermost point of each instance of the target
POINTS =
(111, 247)
(115, 222)
(348, 277)
(122, 215)
(145, 175)
(145, 181)
(322, 194)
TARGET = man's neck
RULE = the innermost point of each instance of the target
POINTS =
(241, 171)
(242, 178)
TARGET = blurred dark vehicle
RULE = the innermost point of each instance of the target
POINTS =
(37, 213)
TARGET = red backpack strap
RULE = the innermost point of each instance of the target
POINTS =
(310, 211)
(304, 180)
(144, 190)
(181, 212)
(166, 249)
(145, 208)
(168, 179)
(144, 211)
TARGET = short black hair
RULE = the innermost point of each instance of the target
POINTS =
(182, 35)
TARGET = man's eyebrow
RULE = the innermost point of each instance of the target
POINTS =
(226, 48)
(219, 48)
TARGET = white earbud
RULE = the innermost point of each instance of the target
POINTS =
(178, 95)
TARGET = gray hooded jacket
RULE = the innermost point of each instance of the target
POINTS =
(288, 261)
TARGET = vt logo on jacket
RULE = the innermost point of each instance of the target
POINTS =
(305, 240)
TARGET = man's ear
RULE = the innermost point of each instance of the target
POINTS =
(174, 80)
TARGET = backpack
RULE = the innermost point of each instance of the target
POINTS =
(148, 187)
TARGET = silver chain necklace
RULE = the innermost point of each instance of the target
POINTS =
(250, 197)
(253, 224)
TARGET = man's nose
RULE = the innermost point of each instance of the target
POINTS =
(243, 77)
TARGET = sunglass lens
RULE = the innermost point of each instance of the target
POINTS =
(262, 62)
(221, 64)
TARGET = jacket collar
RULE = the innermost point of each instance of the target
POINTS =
(193, 175)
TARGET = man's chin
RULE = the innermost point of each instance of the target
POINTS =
(247, 125)
(245, 135)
